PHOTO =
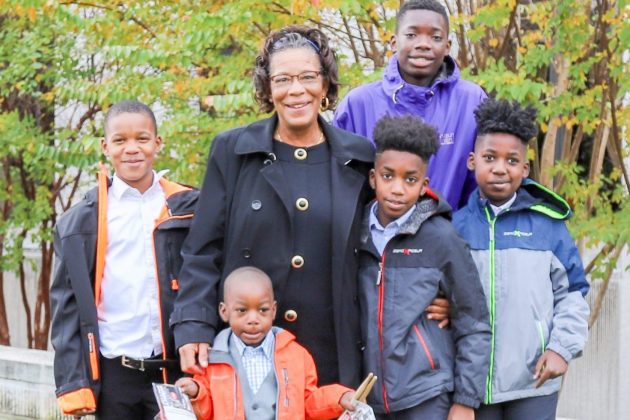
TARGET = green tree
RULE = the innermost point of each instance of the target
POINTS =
(63, 63)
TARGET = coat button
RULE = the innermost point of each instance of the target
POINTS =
(301, 204)
(256, 204)
(300, 154)
(247, 253)
(290, 315)
(297, 261)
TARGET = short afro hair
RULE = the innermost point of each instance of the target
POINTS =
(502, 116)
(405, 134)
(431, 5)
(293, 37)
(129, 107)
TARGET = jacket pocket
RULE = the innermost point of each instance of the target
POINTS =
(93, 356)
(426, 348)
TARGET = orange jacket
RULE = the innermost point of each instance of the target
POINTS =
(220, 395)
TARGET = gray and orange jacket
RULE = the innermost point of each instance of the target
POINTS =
(80, 242)
(413, 358)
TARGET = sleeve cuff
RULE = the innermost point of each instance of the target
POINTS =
(81, 399)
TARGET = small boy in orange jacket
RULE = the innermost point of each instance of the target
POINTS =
(255, 369)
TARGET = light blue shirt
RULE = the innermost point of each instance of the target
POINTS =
(381, 235)
(257, 361)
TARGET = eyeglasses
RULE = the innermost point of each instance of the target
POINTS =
(306, 78)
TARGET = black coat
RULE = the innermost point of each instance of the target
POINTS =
(242, 188)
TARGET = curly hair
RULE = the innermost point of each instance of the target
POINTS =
(502, 116)
(431, 5)
(131, 107)
(290, 37)
(406, 134)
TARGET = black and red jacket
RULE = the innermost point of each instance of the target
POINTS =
(80, 243)
(413, 358)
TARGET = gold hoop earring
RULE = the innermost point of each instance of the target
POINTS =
(323, 106)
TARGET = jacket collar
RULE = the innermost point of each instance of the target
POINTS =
(221, 341)
(429, 205)
(530, 196)
(395, 86)
(258, 138)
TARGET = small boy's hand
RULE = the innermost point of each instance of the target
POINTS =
(550, 365)
(189, 387)
(82, 412)
(461, 412)
(439, 310)
(346, 401)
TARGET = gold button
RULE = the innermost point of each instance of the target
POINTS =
(290, 315)
(300, 154)
(297, 261)
(301, 204)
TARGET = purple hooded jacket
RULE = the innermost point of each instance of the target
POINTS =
(447, 104)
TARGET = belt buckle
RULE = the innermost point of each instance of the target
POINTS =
(133, 363)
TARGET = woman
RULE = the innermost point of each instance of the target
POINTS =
(284, 194)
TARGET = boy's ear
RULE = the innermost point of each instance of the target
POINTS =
(393, 44)
(425, 185)
(526, 169)
(373, 179)
(470, 163)
(223, 312)
(104, 147)
(160, 143)
(274, 309)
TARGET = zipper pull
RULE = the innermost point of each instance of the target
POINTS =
(380, 273)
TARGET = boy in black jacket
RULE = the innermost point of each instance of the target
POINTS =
(409, 253)
(116, 258)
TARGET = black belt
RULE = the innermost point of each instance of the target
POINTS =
(148, 364)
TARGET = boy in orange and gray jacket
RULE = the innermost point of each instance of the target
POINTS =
(256, 370)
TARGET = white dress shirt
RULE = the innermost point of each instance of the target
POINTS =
(128, 313)
(498, 209)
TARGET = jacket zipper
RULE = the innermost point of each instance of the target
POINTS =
(380, 283)
(542, 337)
(285, 374)
(93, 356)
(492, 307)
(424, 346)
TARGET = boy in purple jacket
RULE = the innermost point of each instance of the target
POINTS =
(423, 80)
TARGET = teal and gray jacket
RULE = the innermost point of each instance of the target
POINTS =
(534, 283)
(413, 359)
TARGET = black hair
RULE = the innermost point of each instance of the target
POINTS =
(431, 5)
(132, 107)
(290, 37)
(502, 116)
(405, 134)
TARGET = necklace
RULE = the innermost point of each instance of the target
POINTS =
(319, 140)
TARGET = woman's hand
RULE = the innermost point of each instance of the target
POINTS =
(550, 365)
(189, 387)
(193, 357)
(439, 310)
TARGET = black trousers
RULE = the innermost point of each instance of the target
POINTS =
(126, 393)
(534, 408)
(436, 408)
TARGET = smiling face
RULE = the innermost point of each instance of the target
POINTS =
(500, 164)
(297, 104)
(399, 179)
(131, 144)
(421, 43)
(248, 307)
